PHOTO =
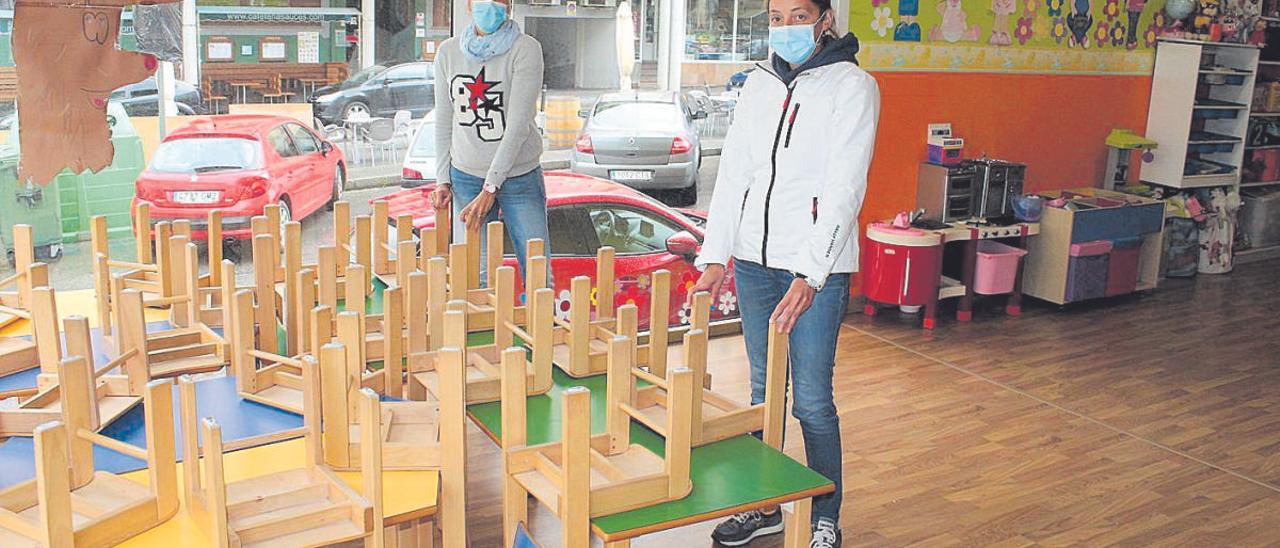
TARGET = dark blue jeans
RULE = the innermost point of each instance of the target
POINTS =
(812, 361)
(522, 201)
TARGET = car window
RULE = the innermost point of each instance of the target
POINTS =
(630, 231)
(567, 226)
(303, 139)
(207, 154)
(411, 71)
(279, 140)
(636, 115)
(424, 144)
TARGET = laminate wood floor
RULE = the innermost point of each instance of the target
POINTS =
(1140, 421)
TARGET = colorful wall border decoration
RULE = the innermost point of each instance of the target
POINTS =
(1036, 36)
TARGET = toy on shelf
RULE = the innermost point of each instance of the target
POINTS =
(305, 506)
(116, 393)
(583, 476)
(70, 504)
(1120, 146)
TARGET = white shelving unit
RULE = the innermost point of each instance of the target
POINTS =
(1199, 122)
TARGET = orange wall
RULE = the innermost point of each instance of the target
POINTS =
(1053, 123)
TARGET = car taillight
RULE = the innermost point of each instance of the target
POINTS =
(253, 187)
(584, 145)
(411, 174)
(147, 192)
(680, 145)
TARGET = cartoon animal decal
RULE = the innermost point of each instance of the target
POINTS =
(955, 24)
(1000, 27)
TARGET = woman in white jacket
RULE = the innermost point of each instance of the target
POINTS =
(785, 209)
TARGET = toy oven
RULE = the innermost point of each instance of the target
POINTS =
(947, 193)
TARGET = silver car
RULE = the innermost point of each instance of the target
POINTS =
(645, 140)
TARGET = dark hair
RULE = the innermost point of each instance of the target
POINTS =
(823, 5)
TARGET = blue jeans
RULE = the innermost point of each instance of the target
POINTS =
(812, 361)
(522, 201)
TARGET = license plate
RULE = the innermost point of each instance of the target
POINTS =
(623, 176)
(197, 197)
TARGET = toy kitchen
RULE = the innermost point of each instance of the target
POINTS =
(976, 204)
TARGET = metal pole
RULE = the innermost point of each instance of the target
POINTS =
(368, 30)
(190, 43)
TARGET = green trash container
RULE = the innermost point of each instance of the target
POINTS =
(30, 204)
(60, 211)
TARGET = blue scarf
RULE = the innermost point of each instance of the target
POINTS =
(484, 48)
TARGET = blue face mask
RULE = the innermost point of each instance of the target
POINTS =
(793, 43)
(488, 15)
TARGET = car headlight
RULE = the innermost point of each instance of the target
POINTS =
(329, 98)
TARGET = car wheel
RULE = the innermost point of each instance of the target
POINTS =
(689, 194)
(286, 214)
(339, 181)
(357, 108)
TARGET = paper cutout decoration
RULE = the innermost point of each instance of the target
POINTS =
(67, 65)
(955, 24)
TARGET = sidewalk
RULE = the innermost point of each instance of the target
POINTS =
(378, 176)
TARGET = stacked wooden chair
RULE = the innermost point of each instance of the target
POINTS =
(483, 375)
(44, 348)
(15, 290)
(715, 417)
(117, 392)
(71, 504)
(305, 506)
(583, 476)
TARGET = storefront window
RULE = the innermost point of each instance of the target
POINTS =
(727, 30)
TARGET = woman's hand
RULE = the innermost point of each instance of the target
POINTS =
(473, 215)
(793, 304)
(710, 281)
(442, 196)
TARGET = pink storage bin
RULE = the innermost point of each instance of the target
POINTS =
(997, 268)
(1089, 249)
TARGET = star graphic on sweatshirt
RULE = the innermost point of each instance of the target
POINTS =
(479, 89)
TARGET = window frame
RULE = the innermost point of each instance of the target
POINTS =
(283, 131)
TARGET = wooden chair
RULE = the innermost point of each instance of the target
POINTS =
(147, 273)
(483, 376)
(465, 265)
(15, 304)
(275, 90)
(305, 506)
(117, 392)
(395, 255)
(583, 476)
(20, 354)
(715, 417)
(70, 504)
(213, 103)
(582, 339)
(172, 352)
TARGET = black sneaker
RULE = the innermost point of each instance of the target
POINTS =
(825, 534)
(747, 526)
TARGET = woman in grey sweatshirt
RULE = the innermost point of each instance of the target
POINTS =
(488, 148)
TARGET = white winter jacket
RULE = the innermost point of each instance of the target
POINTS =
(793, 172)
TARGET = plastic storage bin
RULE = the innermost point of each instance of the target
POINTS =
(1122, 266)
(1087, 270)
(997, 268)
(1260, 217)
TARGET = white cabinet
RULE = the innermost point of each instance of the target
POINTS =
(1199, 113)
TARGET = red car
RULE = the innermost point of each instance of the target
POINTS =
(239, 164)
(585, 213)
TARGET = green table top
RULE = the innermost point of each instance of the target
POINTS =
(728, 476)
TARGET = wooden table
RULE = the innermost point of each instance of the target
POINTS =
(729, 476)
(242, 89)
(408, 497)
(311, 83)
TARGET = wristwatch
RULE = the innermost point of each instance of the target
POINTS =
(491, 188)
(807, 281)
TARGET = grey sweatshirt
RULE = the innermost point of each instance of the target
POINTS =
(486, 112)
